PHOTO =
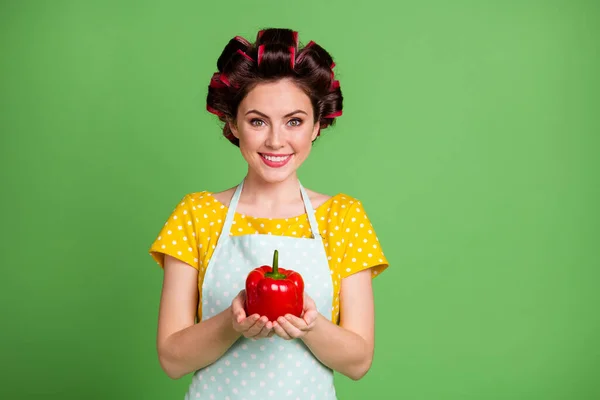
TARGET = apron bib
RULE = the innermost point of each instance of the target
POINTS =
(270, 367)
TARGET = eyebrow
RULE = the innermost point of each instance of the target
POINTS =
(285, 116)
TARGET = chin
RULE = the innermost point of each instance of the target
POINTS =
(275, 176)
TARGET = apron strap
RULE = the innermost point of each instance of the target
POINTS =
(314, 226)
(231, 210)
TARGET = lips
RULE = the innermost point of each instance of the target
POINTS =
(275, 160)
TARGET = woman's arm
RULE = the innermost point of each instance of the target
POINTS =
(184, 346)
(347, 348)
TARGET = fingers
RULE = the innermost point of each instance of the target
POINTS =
(266, 331)
(240, 298)
(296, 322)
(244, 324)
(238, 315)
(287, 330)
(237, 307)
(277, 328)
(292, 327)
(309, 303)
(310, 317)
(256, 328)
(252, 326)
(288, 327)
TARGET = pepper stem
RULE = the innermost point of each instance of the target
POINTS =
(275, 273)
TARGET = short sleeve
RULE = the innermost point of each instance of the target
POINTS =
(177, 237)
(363, 249)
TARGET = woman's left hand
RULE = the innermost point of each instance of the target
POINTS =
(292, 327)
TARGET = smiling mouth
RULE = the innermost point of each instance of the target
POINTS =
(275, 161)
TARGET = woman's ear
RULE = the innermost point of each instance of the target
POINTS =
(316, 130)
(233, 128)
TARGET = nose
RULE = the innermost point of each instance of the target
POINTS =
(274, 138)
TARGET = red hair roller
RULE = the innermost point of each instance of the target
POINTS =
(261, 51)
(334, 114)
(220, 80)
(303, 52)
(292, 56)
(246, 56)
(242, 41)
(214, 111)
(215, 82)
(223, 78)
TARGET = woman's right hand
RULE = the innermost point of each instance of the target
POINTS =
(253, 326)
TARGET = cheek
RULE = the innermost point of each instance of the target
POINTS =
(250, 140)
(304, 140)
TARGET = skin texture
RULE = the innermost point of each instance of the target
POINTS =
(275, 118)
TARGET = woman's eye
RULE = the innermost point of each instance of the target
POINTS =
(256, 122)
(295, 122)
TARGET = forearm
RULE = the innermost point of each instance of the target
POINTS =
(338, 348)
(198, 345)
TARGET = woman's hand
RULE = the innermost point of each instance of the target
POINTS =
(291, 327)
(253, 326)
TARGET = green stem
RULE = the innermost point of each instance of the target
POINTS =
(275, 273)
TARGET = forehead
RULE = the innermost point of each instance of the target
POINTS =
(276, 98)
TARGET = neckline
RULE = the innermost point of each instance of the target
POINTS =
(308, 209)
(225, 207)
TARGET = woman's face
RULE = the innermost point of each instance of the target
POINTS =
(275, 128)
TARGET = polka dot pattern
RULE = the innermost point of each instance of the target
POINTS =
(351, 245)
(266, 367)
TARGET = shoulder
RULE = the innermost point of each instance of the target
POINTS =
(344, 213)
(336, 203)
(223, 197)
(201, 203)
(318, 199)
(337, 210)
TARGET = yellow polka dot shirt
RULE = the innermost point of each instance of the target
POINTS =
(191, 232)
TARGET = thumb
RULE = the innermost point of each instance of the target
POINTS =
(310, 317)
(309, 303)
(240, 314)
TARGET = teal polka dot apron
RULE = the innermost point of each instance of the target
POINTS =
(270, 368)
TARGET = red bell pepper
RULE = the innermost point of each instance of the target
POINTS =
(274, 292)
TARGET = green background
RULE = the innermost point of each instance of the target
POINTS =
(470, 133)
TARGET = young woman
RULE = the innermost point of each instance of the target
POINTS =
(274, 99)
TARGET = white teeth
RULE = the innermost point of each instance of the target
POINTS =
(275, 159)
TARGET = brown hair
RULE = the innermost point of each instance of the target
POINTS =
(275, 55)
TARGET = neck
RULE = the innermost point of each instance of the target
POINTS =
(271, 195)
